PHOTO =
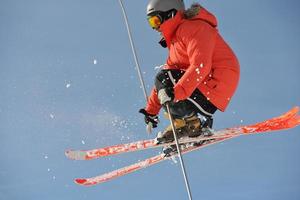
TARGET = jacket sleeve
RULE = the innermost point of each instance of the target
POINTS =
(200, 43)
(153, 105)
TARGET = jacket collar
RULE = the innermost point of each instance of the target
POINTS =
(170, 26)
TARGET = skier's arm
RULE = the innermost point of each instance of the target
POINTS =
(153, 106)
(200, 45)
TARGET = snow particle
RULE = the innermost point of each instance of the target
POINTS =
(95, 62)
(46, 157)
(82, 141)
(122, 137)
(51, 116)
(173, 158)
(68, 85)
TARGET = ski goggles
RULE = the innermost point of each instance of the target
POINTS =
(154, 21)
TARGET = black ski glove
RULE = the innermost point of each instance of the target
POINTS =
(166, 95)
(151, 120)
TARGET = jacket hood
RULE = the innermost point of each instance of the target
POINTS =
(196, 11)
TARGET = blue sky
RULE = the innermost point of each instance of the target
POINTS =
(68, 80)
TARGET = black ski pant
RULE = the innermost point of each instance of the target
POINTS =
(197, 103)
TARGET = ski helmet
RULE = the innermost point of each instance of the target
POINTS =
(164, 6)
(158, 11)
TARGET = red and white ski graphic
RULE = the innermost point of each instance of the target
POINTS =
(137, 166)
(289, 120)
(266, 126)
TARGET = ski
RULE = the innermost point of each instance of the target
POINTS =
(130, 147)
(139, 165)
(291, 119)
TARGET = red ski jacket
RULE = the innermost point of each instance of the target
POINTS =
(210, 65)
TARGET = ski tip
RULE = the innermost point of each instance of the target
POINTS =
(297, 120)
(292, 113)
(80, 181)
(76, 155)
(68, 154)
(295, 109)
(295, 117)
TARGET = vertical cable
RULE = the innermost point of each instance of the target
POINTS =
(134, 51)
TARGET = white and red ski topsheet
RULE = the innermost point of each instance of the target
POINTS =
(139, 165)
(289, 120)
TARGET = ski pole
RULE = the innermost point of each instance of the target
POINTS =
(179, 153)
(146, 97)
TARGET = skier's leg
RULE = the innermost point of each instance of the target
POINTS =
(179, 110)
(167, 78)
(185, 112)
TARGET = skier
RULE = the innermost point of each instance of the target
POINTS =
(201, 73)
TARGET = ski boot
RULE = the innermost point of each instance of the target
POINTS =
(206, 131)
(188, 126)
